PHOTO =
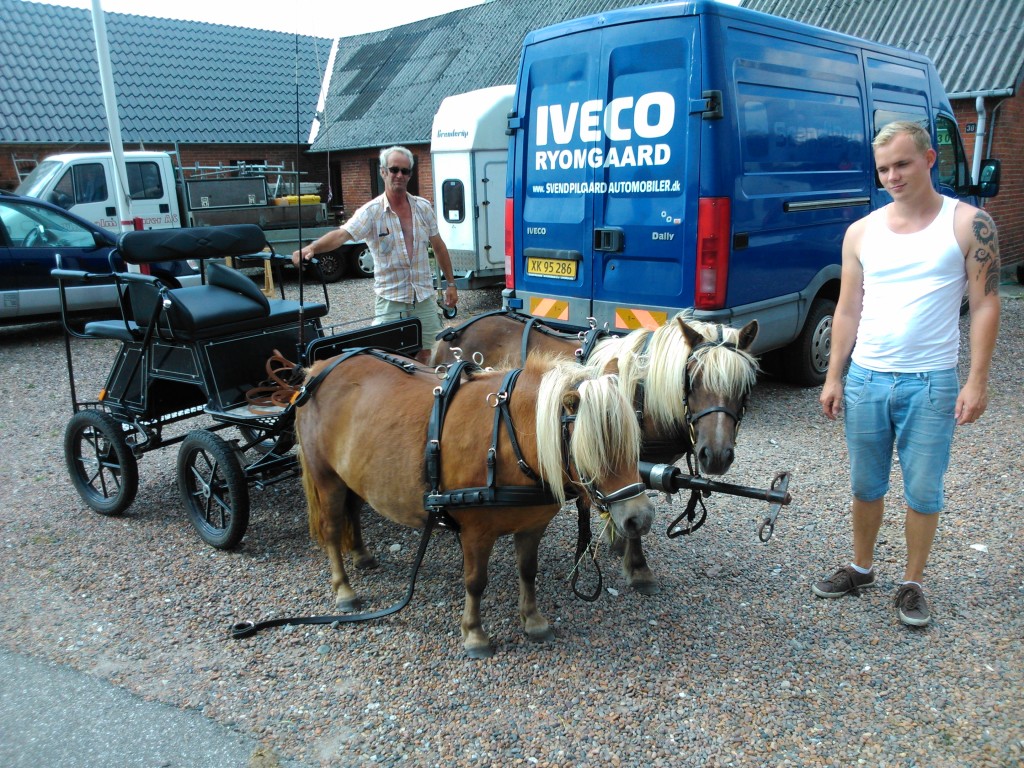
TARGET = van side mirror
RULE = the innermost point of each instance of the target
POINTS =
(988, 178)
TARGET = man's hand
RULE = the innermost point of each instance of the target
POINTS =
(451, 296)
(971, 403)
(831, 398)
(303, 254)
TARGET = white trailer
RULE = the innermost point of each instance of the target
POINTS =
(468, 153)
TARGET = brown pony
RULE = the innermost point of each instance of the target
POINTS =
(362, 437)
(689, 379)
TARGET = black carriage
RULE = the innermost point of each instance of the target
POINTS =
(199, 351)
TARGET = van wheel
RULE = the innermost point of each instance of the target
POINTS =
(805, 360)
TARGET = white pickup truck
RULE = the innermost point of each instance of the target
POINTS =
(164, 196)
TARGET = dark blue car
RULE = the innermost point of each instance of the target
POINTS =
(32, 234)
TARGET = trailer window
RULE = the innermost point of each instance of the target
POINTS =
(453, 200)
(144, 181)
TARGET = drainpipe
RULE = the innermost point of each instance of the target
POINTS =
(979, 139)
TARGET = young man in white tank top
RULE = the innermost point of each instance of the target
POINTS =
(905, 267)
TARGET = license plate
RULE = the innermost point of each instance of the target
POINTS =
(564, 269)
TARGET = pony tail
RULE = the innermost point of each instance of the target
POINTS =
(313, 507)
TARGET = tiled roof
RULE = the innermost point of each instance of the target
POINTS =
(977, 45)
(386, 86)
(183, 81)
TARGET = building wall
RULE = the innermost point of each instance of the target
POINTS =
(1007, 136)
(312, 167)
(354, 174)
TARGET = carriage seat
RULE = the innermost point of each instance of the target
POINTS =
(226, 304)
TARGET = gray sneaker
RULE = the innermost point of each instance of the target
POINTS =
(911, 606)
(845, 581)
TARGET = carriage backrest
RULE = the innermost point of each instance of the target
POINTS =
(152, 245)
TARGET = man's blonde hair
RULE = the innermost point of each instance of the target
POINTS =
(916, 131)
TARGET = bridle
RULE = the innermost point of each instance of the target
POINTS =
(693, 418)
(602, 501)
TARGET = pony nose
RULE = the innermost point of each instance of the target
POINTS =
(715, 462)
(639, 522)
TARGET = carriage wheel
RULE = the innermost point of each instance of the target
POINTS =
(103, 468)
(213, 488)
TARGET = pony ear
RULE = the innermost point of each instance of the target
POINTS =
(693, 338)
(747, 335)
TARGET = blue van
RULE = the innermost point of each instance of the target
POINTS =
(702, 155)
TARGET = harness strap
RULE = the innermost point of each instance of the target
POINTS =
(250, 628)
(442, 399)
(530, 324)
(485, 496)
(306, 391)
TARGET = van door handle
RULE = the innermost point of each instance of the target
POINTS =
(609, 240)
(111, 210)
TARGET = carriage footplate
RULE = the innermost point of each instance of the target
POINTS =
(669, 479)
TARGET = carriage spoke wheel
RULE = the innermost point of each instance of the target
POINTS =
(103, 468)
(213, 489)
(263, 441)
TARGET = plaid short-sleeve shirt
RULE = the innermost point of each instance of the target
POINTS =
(398, 276)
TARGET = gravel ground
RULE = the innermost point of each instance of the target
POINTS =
(735, 663)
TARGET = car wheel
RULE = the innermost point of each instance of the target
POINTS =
(362, 263)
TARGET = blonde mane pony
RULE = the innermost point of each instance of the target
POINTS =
(662, 367)
(605, 436)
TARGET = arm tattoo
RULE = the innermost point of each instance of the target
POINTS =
(986, 252)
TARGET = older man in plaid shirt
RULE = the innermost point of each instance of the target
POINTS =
(397, 227)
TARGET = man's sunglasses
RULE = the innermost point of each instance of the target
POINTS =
(395, 170)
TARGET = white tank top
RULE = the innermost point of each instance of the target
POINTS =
(913, 284)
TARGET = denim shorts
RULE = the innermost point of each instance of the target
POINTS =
(913, 411)
(427, 311)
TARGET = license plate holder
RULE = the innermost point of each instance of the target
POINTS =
(558, 269)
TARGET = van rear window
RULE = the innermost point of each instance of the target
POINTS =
(787, 131)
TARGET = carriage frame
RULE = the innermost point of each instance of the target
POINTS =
(193, 355)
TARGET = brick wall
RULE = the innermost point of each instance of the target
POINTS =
(313, 167)
(1007, 136)
(353, 173)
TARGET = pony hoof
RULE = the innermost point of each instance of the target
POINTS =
(480, 651)
(349, 604)
(647, 588)
(545, 635)
(367, 563)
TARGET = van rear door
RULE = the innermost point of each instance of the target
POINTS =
(612, 117)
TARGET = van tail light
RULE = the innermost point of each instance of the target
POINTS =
(510, 277)
(713, 227)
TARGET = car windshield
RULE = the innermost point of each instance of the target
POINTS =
(31, 226)
(36, 181)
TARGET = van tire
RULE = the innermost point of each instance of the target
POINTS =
(805, 361)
